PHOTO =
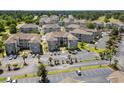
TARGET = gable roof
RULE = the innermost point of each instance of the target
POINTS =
(23, 36)
(52, 36)
(81, 31)
(51, 26)
(73, 26)
(29, 26)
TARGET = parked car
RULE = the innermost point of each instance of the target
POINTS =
(10, 57)
(8, 80)
(37, 55)
(78, 72)
(15, 56)
(59, 53)
(55, 53)
(33, 56)
(14, 81)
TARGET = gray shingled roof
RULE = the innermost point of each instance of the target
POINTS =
(51, 26)
(73, 26)
(31, 37)
(81, 31)
(29, 26)
(54, 17)
(52, 36)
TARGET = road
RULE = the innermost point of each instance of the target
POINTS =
(77, 65)
(120, 54)
(102, 41)
(88, 76)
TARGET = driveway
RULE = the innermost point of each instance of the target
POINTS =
(101, 44)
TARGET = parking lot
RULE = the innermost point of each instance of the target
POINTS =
(120, 54)
(80, 55)
(88, 76)
(19, 59)
(32, 67)
(102, 42)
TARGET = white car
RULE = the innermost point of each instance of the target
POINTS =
(33, 55)
(14, 81)
(78, 72)
(10, 57)
(9, 80)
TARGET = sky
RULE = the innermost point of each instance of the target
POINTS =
(61, 4)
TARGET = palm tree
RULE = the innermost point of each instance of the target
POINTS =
(0, 63)
(50, 60)
(62, 61)
(24, 56)
(38, 57)
(101, 55)
(58, 62)
(8, 67)
(115, 64)
(1, 48)
(69, 57)
(55, 62)
(42, 72)
(76, 61)
(71, 62)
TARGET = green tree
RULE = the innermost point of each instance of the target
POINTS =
(4, 37)
(121, 18)
(42, 72)
(1, 48)
(13, 29)
(2, 27)
(0, 63)
(24, 56)
(90, 25)
(106, 20)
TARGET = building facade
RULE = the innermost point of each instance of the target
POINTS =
(29, 28)
(71, 27)
(60, 39)
(21, 41)
(85, 35)
(51, 28)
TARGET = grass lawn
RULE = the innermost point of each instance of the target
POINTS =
(114, 20)
(25, 76)
(42, 33)
(86, 47)
(45, 47)
(74, 69)
(2, 79)
(101, 19)
(87, 60)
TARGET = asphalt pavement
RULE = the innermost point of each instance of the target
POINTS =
(88, 76)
